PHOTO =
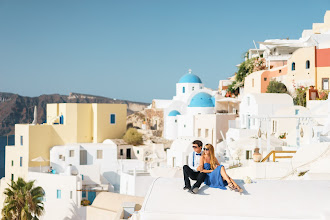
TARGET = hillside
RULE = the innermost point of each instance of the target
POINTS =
(16, 109)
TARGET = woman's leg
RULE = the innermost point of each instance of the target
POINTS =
(227, 178)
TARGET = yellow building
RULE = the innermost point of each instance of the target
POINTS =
(301, 69)
(66, 123)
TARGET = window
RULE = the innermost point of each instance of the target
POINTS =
(293, 66)
(21, 161)
(274, 127)
(248, 154)
(83, 157)
(99, 154)
(82, 177)
(325, 83)
(60, 156)
(184, 126)
(61, 119)
(58, 194)
(183, 89)
(265, 79)
(12, 163)
(112, 119)
(206, 133)
(193, 88)
(280, 71)
(296, 111)
(83, 194)
(12, 177)
(199, 132)
(70, 194)
(252, 82)
(21, 140)
(121, 152)
(71, 153)
(138, 152)
(308, 64)
(176, 121)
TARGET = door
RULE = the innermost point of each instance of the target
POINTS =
(128, 153)
(83, 157)
(325, 83)
(91, 196)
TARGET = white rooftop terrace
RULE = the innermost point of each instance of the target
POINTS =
(261, 200)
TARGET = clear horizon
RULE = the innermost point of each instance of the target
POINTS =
(136, 50)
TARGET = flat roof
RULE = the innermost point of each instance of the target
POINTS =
(266, 199)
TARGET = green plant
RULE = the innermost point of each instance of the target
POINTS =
(23, 201)
(300, 98)
(276, 87)
(302, 173)
(132, 136)
(282, 136)
(85, 202)
(244, 69)
(323, 95)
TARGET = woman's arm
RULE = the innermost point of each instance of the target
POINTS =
(201, 164)
(206, 171)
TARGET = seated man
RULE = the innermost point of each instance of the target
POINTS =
(190, 170)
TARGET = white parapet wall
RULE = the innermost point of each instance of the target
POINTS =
(62, 200)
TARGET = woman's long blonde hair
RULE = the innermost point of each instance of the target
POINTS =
(212, 156)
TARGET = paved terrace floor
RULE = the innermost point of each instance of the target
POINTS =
(267, 199)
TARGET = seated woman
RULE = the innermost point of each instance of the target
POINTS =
(216, 174)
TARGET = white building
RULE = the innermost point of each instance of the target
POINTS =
(63, 194)
(264, 104)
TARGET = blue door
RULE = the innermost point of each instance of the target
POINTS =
(91, 196)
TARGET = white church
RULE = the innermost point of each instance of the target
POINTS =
(191, 98)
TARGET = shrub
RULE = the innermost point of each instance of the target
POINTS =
(323, 95)
(85, 202)
(133, 137)
(300, 99)
(276, 87)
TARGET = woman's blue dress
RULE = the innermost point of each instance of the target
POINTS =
(214, 179)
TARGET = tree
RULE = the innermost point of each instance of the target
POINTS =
(23, 201)
(276, 87)
(132, 136)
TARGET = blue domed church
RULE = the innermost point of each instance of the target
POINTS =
(191, 98)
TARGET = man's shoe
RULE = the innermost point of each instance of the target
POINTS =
(195, 190)
(190, 191)
(186, 188)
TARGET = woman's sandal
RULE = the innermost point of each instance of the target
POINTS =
(238, 189)
(231, 186)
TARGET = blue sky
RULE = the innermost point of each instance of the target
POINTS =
(136, 49)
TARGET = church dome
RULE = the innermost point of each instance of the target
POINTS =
(190, 78)
(174, 113)
(202, 99)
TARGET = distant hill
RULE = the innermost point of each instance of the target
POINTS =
(16, 109)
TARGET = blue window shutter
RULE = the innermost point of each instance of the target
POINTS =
(21, 161)
(183, 89)
(21, 140)
(58, 194)
(112, 119)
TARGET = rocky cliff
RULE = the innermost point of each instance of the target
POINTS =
(16, 109)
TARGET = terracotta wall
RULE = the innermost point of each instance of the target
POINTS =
(322, 57)
(269, 74)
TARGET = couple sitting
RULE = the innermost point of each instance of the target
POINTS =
(203, 166)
